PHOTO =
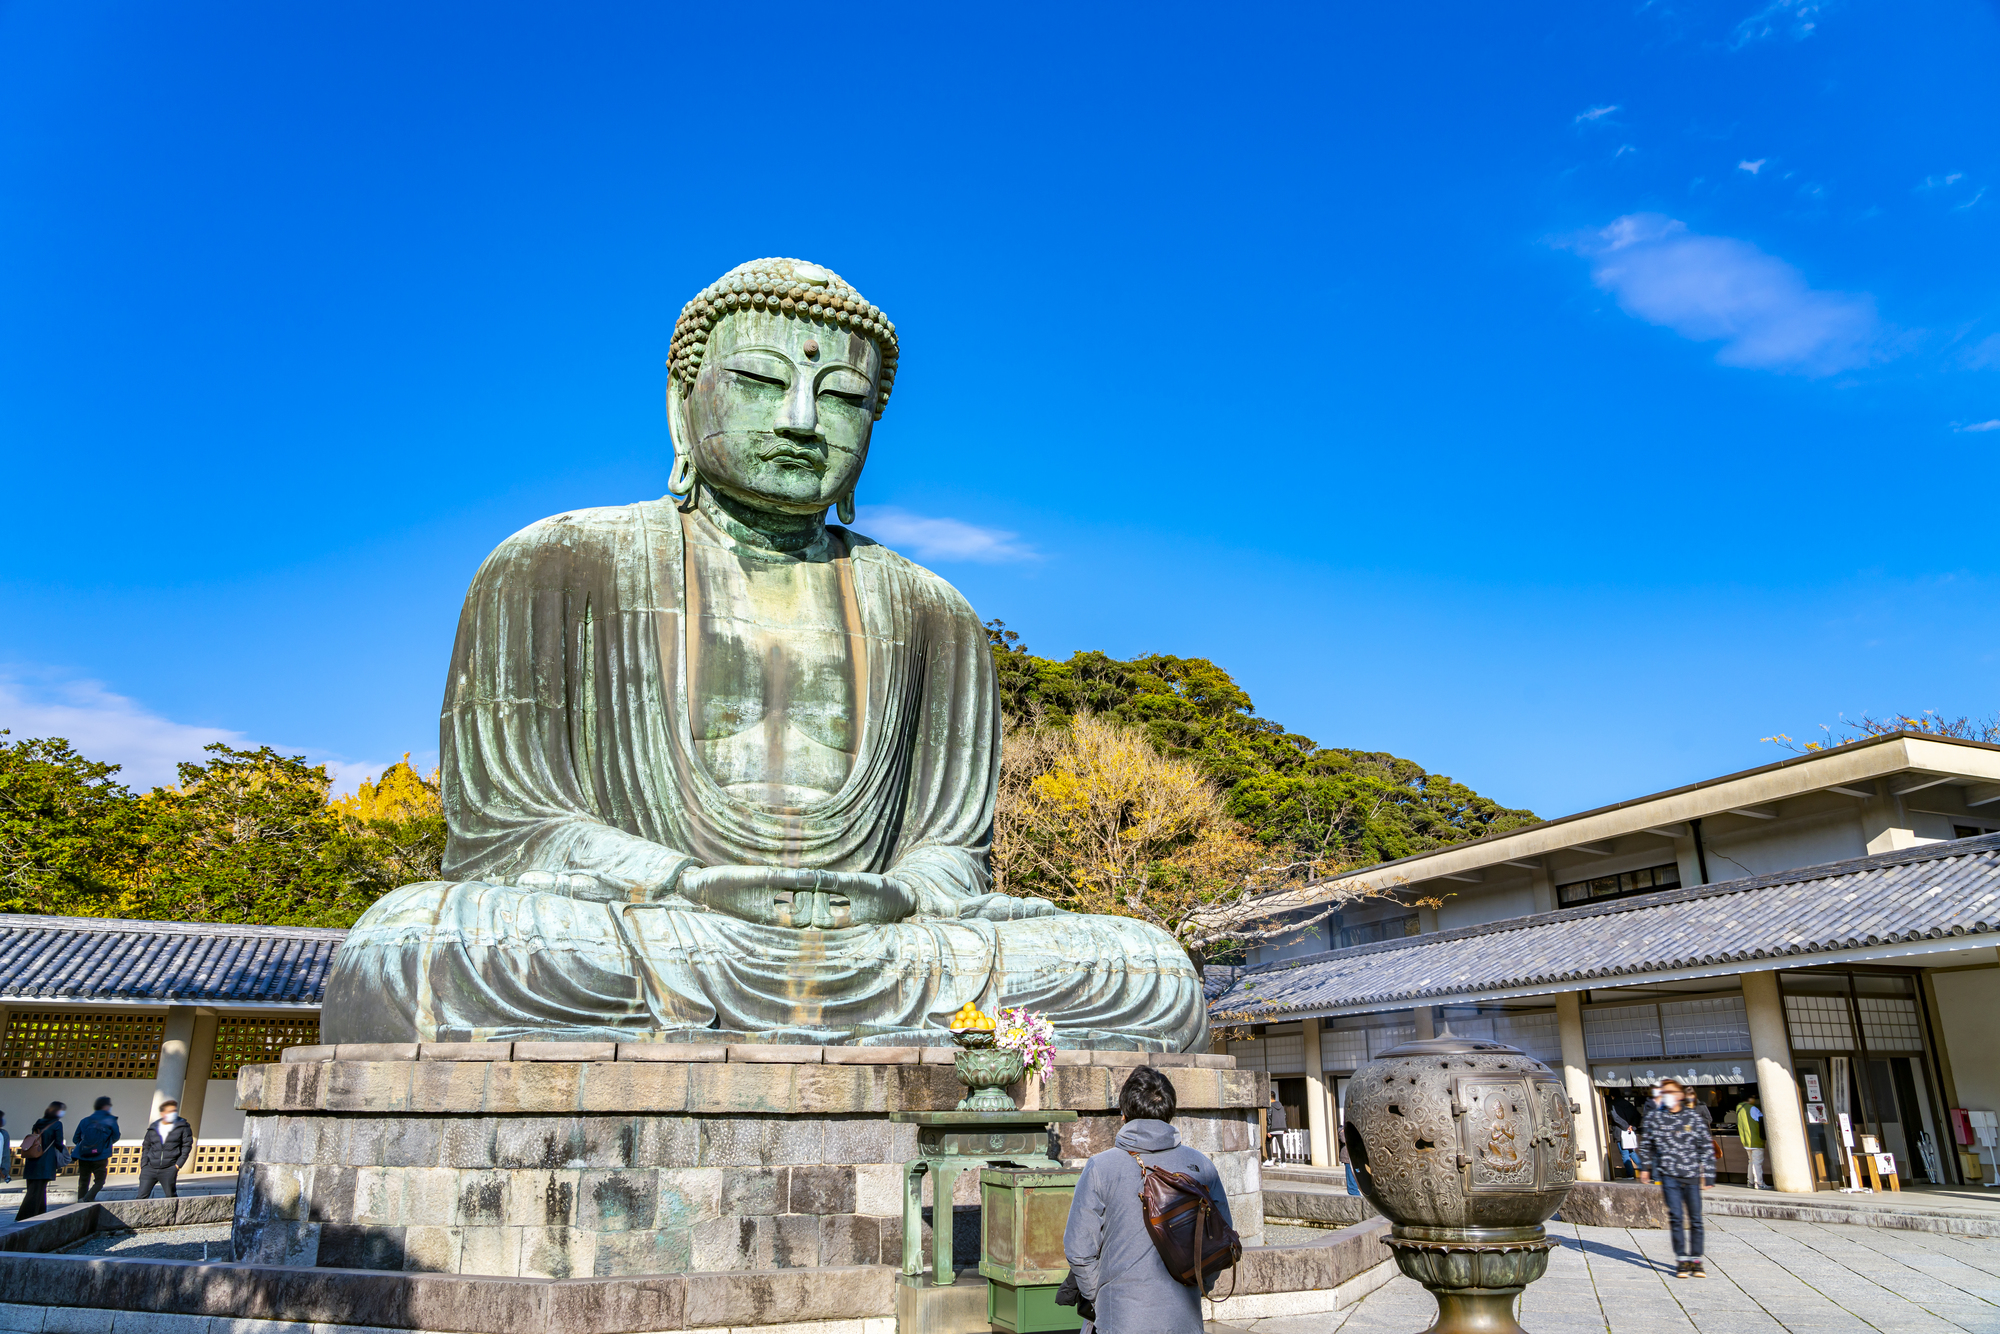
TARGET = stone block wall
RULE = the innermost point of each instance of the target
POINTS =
(607, 1167)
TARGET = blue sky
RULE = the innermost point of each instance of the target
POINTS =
(1564, 397)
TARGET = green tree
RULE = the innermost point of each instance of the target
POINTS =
(1346, 805)
(70, 838)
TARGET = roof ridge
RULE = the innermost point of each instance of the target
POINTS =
(1927, 852)
(140, 925)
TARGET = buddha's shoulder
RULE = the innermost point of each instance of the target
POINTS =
(927, 583)
(602, 528)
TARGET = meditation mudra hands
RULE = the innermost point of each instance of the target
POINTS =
(795, 897)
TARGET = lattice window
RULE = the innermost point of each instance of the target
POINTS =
(1381, 1039)
(1890, 1023)
(1622, 1032)
(1343, 1048)
(82, 1046)
(241, 1042)
(1705, 1027)
(1819, 1023)
(1534, 1033)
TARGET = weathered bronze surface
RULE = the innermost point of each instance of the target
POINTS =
(952, 1142)
(716, 769)
(1466, 1147)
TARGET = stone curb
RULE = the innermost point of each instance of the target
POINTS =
(448, 1303)
(70, 1223)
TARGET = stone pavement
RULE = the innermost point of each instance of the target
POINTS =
(1764, 1278)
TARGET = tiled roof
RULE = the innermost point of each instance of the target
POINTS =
(1217, 978)
(108, 959)
(1927, 893)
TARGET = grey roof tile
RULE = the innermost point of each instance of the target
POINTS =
(1927, 893)
(99, 958)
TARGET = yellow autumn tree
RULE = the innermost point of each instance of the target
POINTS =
(1092, 817)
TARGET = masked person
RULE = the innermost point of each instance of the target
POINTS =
(1676, 1146)
(164, 1151)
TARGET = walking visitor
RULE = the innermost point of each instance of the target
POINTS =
(1274, 1130)
(1675, 1145)
(163, 1152)
(1117, 1268)
(95, 1137)
(43, 1155)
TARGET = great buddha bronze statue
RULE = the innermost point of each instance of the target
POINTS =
(715, 769)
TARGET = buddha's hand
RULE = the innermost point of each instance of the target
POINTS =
(788, 896)
(1004, 908)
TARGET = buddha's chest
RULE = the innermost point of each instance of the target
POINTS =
(774, 702)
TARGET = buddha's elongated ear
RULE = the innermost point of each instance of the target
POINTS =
(684, 479)
(844, 508)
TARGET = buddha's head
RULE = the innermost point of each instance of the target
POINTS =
(778, 372)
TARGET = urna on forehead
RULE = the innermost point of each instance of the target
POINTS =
(792, 287)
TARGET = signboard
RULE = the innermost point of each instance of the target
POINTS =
(1816, 1113)
(1846, 1131)
(1812, 1090)
(1885, 1163)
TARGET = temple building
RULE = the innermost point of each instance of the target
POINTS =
(145, 1011)
(1823, 933)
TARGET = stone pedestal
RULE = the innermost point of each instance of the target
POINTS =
(642, 1161)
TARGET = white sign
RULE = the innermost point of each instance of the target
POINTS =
(1846, 1131)
(1816, 1113)
(1885, 1163)
(1812, 1089)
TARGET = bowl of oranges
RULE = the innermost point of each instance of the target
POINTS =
(972, 1028)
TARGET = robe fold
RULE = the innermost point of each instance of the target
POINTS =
(568, 761)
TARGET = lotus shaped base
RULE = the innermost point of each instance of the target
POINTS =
(1475, 1273)
(986, 1071)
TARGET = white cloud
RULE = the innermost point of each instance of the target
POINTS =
(1985, 355)
(1752, 167)
(941, 539)
(1933, 182)
(1960, 208)
(1595, 113)
(1993, 425)
(1787, 18)
(115, 729)
(1719, 289)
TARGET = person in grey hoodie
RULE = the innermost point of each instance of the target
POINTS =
(1111, 1255)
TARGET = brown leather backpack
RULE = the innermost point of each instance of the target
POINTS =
(1193, 1241)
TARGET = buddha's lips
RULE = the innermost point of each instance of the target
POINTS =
(791, 454)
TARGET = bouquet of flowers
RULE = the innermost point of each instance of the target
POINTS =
(1031, 1034)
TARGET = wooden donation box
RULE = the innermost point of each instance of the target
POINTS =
(1022, 1213)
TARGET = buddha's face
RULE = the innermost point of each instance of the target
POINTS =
(780, 415)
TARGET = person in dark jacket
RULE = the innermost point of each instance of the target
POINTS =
(41, 1169)
(164, 1151)
(6, 1151)
(95, 1136)
(1110, 1253)
(1676, 1146)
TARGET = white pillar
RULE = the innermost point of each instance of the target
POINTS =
(201, 1060)
(1777, 1087)
(1315, 1108)
(171, 1081)
(1576, 1078)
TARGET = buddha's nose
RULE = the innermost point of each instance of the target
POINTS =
(800, 414)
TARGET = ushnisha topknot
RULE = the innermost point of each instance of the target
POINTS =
(793, 287)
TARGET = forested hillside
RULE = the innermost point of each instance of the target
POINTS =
(1346, 805)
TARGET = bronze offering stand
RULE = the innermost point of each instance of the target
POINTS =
(1466, 1147)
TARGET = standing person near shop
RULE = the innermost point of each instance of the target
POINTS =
(95, 1136)
(40, 1167)
(164, 1151)
(1274, 1130)
(1111, 1254)
(6, 1151)
(1625, 1126)
(1750, 1127)
(1675, 1145)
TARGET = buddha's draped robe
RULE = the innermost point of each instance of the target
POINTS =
(566, 747)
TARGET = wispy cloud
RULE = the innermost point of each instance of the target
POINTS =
(1985, 354)
(1993, 425)
(1795, 19)
(1937, 182)
(929, 538)
(116, 729)
(1752, 167)
(1720, 289)
(1960, 208)
(1595, 113)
